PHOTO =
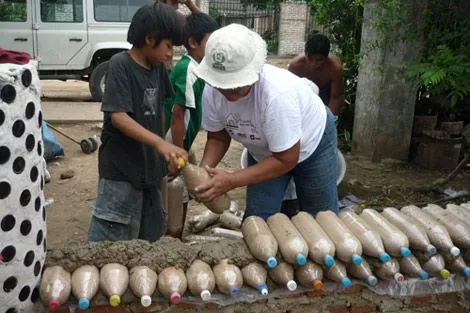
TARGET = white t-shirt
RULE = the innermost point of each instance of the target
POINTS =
(279, 110)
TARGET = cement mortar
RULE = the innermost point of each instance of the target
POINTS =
(164, 253)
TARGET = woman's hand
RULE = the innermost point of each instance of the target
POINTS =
(220, 183)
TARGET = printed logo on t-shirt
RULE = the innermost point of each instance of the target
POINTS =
(231, 120)
(150, 101)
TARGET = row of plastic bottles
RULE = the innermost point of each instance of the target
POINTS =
(379, 236)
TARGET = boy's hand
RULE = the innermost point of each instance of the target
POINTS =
(171, 153)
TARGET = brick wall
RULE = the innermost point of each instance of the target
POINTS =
(292, 28)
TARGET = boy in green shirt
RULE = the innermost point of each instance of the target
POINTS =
(183, 111)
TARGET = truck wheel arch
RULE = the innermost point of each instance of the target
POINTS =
(98, 70)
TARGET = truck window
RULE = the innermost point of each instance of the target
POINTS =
(65, 11)
(13, 11)
(117, 10)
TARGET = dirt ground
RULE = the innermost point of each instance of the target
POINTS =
(379, 185)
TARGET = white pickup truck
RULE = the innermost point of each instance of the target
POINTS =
(71, 39)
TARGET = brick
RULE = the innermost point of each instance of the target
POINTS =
(447, 297)
(338, 309)
(362, 309)
(459, 310)
(421, 301)
(316, 293)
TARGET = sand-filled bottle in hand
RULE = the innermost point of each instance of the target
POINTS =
(195, 176)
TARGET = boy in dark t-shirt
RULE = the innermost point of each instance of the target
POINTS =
(133, 154)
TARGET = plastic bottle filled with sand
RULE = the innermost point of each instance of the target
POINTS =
(201, 280)
(410, 267)
(437, 232)
(458, 230)
(85, 284)
(292, 245)
(143, 282)
(114, 279)
(387, 271)
(283, 275)
(195, 176)
(348, 247)
(310, 275)
(320, 247)
(338, 273)
(55, 287)
(456, 264)
(254, 275)
(459, 211)
(228, 278)
(172, 284)
(434, 265)
(260, 240)
(175, 209)
(362, 272)
(395, 241)
(370, 239)
(416, 233)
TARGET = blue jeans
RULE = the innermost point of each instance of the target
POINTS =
(125, 213)
(315, 181)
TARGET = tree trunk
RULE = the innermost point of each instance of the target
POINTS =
(385, 101)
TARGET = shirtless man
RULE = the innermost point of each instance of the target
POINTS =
(325, 70)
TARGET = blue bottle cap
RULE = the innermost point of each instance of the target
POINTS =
(346, 282)
(466, 271)
(329, 261)
(384, 257)
(372, 280)
(83, 304)
(405, 252)
(357, 259)
(300, 259)
(234, 291)
(423, 275)
(271, 262)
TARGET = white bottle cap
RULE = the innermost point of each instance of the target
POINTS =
(146, 301)
(455, 251)
(291, 285)
(206, 295)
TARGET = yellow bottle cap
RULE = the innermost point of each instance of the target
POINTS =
(115, 300)
(445, 274)
(181, 162)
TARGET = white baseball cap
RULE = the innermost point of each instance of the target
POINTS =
(234, 57)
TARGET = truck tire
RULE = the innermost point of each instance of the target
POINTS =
(98, 80)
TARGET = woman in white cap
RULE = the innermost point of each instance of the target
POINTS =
(276, 115)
